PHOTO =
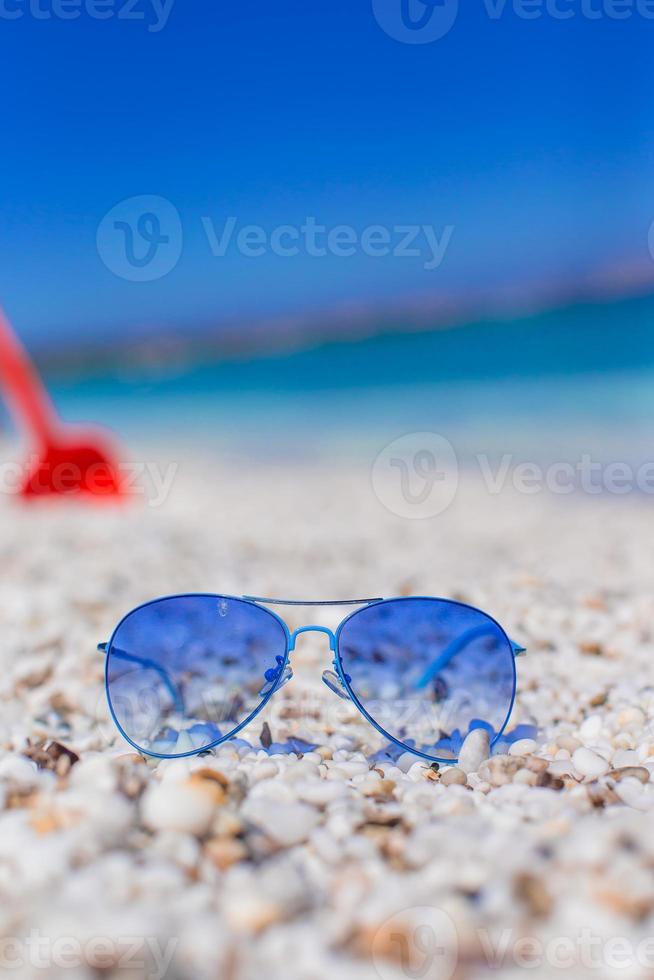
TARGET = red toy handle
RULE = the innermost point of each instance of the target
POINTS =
(26, 394)
(69, 459)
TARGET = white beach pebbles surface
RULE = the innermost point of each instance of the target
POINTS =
(258, 861)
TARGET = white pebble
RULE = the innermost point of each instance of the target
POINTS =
(625, 757)
(285, 823)
(633, 793)
(178, 806)
(417, 771)
(474, 750)
(524, 746)
(265, 770)
(591, 728)
(588, 763)
(453, 776)
(560, 767)
(19, 770)
(320, 792)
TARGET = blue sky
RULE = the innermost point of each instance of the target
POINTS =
(533, 139)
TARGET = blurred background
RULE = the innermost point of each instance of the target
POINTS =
(314, 227)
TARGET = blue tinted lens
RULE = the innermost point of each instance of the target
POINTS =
(427, 671)
(186, 671)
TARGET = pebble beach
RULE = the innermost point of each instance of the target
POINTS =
(301, 849)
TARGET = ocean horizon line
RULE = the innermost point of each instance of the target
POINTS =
(156, 350)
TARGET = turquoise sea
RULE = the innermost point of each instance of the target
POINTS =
(579, 378)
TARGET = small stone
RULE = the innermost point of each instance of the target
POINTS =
(321, 792)
(53, 756)
(251, 912)
(474, 750)
(379, 788)
(225, 851)
(526, 777)
(531, 890)
(185, 806)
(560, 767)
(625, 757)
(454, 777)
(16, 769)
(266, 738)
(500, 769)
(632, 792)
(591, 729)
(631, 716)
(417, 771)
(591, 649)
(215, 780)
(589, 763)
(568, 742)
(406, 760)
(601, 795)
(524, 746)
(284, 823)
(536, 764)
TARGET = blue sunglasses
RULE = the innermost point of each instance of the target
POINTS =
(187, 672)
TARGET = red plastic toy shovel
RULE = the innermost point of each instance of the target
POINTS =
(68, 459)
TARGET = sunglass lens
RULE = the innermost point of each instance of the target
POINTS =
(187, 671)
(428, 671)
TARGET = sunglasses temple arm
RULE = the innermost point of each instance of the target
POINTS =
(456, 646)
(151, 665)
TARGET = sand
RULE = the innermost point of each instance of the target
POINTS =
(256, 862)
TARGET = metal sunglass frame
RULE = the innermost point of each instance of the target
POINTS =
(338, 681)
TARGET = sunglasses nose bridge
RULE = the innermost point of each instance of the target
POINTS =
(312, 629)
(332, 678)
